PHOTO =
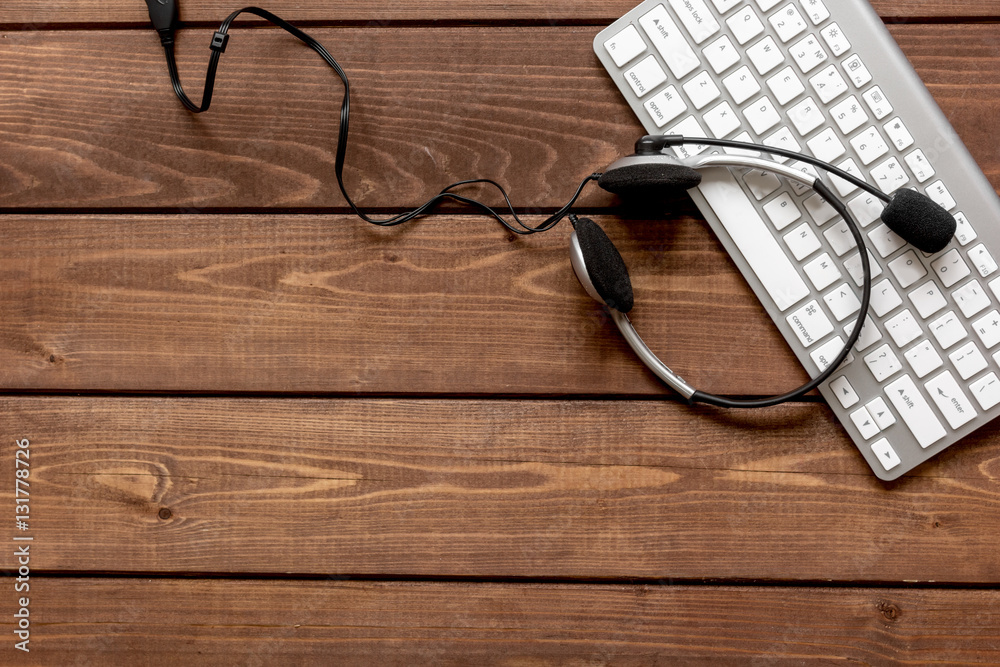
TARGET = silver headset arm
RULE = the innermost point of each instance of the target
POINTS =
(662, 371)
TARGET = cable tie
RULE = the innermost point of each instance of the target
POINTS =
(219, 41)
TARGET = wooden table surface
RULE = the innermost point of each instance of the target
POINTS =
(264, 432)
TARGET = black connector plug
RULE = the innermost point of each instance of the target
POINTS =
(163, 14)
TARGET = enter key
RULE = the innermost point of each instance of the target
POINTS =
(950, 399)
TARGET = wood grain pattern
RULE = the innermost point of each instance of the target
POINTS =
(431, 106)
(568, 489)
(35, 13)
(307, 622)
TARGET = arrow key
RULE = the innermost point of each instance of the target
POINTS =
(881, 414)
(865, 423)
(844, 391)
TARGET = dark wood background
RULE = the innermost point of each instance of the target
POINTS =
(264, 432)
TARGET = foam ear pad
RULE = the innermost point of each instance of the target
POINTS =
(919, 220)
(605, 265)
(649, 179)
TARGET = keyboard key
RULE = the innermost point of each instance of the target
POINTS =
(853, 266)
(741, 84)
(982, 260)
(885, 298)
(766, 4)
(826, 145)
(890, 176)
(625, 46)
(988, 329)
(701, 90)
(903, 328)
(785, 86)
(834, 38)
(951, 400)
(883, 363)
(840, 238)
(725, 5)
(986, 390)
(787, 23)
(808, 54)
(810, 173)
(964, 231)
(869, 145)
(783, 139)
(919, 165)
(950, 267)
(722, 120)
(845, 393)
(697, 18)
(948, 330)
(762, 115)
(842, 302)
(971, 298)
(869, 334)
(968, 360)
(822, 271)
(670, 42)
(782, 211)
(939, 193)
(907, 269)
(819, 209)
(815, 10)
(761, 183)
(810, 323)
(689, 127)
(828, 84)
(866, 208)
(745, 25)
(995, 286)
(849, 115)
(856, 71)
(665, 106)
(721, 54)
(765, 55)
(881, 413)
(885, 240)
(827, 353)
(845, 187)
(885, 454)
(923, 358)
(806, 116)
(876, 101)
(898, 134)
(645, 76)
(802, 241)
(916, 413)
(865, 423)
(927, 299)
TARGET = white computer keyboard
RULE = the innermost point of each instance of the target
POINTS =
(826, 78)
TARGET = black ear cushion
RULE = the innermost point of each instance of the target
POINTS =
(605, 265)
(650, 179)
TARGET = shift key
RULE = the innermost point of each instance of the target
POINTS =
(916, 413)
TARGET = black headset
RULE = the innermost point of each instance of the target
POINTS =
(650, 172)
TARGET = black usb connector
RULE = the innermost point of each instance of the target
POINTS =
(163, 14)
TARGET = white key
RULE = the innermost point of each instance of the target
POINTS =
(950, 267)
(971, 298)
(881, 412)
(845, 187)
(939, 193)
(856, 71)
(866, 208)
(827, 353)
(808, 54)
(869, 145)
(982, 260)
(665, 106)
(787, 22)
(916, 413)
(876, 101)
(986, 390)
(883, 363)
(725, 5)
(741, 84)
(927, 299)
(761, 183)
(964, 231)
(853, 266)
(948, 330)
(968, 360)
(782, 211)
(765, 55)
(802, 241)
(907, 269)
(951, 400)
(865, 423)
(995, 286)
(885, 298)
(826, 145)
(834, 38)
(697, 18)
(898, 134)
(844, 391)
(762, 115)
(669, 41)
(903, 328)
(745, 25)
(625, 46)
(988, 329)
(689, 127)
(815, 10)
(849, 115)
(810, 323)
(923, 358)
(783, 139)
(645, 76)
(828, 84)
(819, 209)
(755, 242)
(869, 334)
(766, 4)
(885, 240)
(840, 239)
(701, 90)
(721, 54)
(843, 302)
(722, 120)
(809, 171)
(806, 116)
(890, 176)
(822, 271)
(885, 454)
(786, 86)
(919, 165)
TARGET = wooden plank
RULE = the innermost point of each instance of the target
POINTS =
(330, 304)
(34, 13)
(197, 622)
(486, 489)
(431, 106)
